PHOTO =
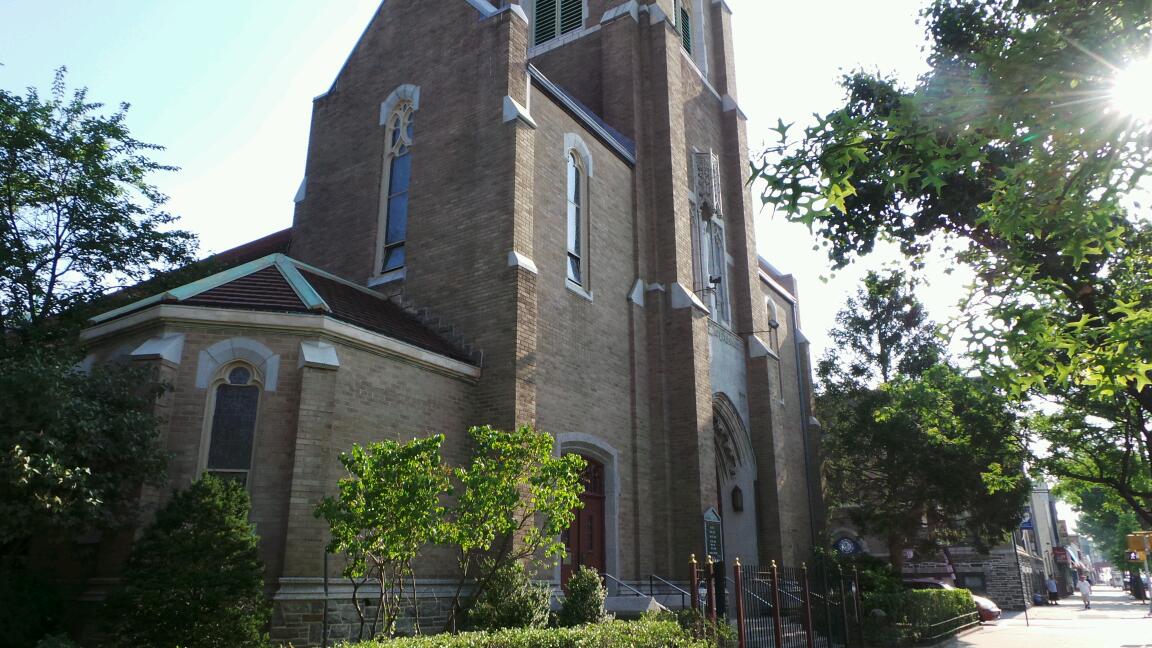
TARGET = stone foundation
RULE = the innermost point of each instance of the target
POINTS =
(301, 611)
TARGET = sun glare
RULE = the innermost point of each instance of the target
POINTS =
(1132, 90)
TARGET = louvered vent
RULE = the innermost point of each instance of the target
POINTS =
(571, 15)
(545, 20)
(686, 29)
(708, 184)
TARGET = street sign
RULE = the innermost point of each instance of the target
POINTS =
(1135, 556)
(1135, 542)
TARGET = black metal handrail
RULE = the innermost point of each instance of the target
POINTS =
(679, 590)
(621, 583)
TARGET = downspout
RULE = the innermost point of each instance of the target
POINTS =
(806, 420)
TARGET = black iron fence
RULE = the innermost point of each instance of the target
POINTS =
(806, 607)
(785, 607)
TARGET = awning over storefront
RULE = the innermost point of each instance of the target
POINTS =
(1068, 556)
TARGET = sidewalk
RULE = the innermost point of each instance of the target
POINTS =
(1116, 620)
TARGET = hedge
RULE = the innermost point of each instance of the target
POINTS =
(648, 632)
(898, 618)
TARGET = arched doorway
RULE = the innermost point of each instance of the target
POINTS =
(584, 539)
(735, 481)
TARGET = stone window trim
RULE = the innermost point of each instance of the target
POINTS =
(265, 363)
(224, 376)
(580, 167)
(602, 451)
(397, 114)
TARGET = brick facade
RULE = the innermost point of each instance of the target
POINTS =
(630, 369)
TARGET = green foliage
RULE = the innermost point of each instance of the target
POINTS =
(194, 579)
(31, 605)
(387, 510)
(1103, 516)
(648, 632)
(693, 622)
(901, 618)
(57, 641)
(929, 456)
(584, 601)
(78, 216)
(75, 445)
(883, 331)
(515, 498)
(511, 600)
(1008, 157)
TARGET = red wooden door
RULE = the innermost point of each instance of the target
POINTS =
(585, 538)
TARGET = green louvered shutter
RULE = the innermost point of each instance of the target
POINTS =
(686, 29)
(571, 15)
(545, 21)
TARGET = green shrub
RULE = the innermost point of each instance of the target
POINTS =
(194, 579)
(31, 605)
(511, 600)
(648, 632)
(893, 618)
(57, 641)
(584, 602)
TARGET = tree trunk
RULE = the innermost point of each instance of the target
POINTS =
(896, 553)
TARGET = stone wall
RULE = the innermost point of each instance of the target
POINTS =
(301, 613)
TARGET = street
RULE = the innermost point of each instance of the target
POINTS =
(1116, 620)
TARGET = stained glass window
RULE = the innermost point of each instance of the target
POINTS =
(233, 425)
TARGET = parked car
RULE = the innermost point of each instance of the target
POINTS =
(988, 610)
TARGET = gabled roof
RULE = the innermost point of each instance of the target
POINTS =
(279, 283)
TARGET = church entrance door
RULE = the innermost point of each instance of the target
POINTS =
(584, 540)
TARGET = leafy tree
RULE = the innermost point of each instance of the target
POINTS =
(77, 214)
(929, 456)
(882, 331)
(77, 218)
(514, 500)
(194, 579)
(75, 446)
(1009, 156)
(388, 509)
(1102, 516)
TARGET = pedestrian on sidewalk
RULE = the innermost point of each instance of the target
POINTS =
(1085, 587)
(1053, 595)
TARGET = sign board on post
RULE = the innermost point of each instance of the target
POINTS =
(1135, 542)
(713, 535)
(1026, 524)
(1135, 556)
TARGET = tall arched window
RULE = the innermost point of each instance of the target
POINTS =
(576, 208)
(394, 187)
(235, 400)
(718, 271)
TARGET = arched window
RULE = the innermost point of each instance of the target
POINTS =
(576, 225)
(551, 18)
(234, 403)
(394, 187)
(718, 271)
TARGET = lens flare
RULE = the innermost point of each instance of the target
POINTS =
(1132, 90)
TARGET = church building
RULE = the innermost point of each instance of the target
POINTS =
(512, 213)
